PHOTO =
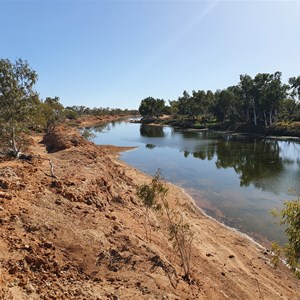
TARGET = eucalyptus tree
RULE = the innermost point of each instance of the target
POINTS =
(151, 107)
(184, 104)
(199, 104)
(54, 113)
(261, 97)
(173, 104)
(295, 86)
(210, 101)
(268, 92)
(19, 104)
(276, 92)
(249, 102)
(288, 109)
(225, 107)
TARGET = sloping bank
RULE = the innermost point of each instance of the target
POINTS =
(81, 235)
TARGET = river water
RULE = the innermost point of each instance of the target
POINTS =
(233, 178)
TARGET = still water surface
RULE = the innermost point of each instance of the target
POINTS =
(235, 179)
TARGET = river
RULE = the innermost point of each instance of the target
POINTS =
(233, 178)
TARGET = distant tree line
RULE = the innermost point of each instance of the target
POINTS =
(75, 111)
(261, 100)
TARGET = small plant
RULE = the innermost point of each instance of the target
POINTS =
(150, 194)
(88, 134)
(182, 237)
(154, 198)
(289, 216)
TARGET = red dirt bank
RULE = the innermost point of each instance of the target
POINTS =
(80, 236)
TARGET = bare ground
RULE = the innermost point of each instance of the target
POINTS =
(81, 235)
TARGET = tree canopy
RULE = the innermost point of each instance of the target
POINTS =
(260, 100)
(151, 107)
(18, 102)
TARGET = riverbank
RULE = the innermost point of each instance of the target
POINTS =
(89, 121)
(281, 130)
(81, 235)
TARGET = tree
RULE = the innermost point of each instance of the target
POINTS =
(199, 105)
(151, 107)
(268, 92)
(53, 112)
(225, 105)
(290, 217)
(153, 196)
(249, 105)
(288, 109)
(173, 107)
(18, 104)
(184, 104)
(295, 85)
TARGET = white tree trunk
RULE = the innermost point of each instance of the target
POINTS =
(254, 116)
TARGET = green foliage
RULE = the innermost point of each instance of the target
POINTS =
(88, 134)
(151, 107)
(53, 112)
(290, 217)
(152, 193)
(295, 86)
(153, 196)
(260, 101)
(72, 112)
(19, 104)
(21, 108)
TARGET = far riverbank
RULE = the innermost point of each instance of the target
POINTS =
(280, 130)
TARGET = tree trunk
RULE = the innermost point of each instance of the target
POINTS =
(254, 116)
(265, 118)
(15, 150)
(271, 115)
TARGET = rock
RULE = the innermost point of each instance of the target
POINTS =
(58, 201)
(47, 245)
(29, 288)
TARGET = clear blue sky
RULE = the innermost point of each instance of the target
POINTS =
(115, 53)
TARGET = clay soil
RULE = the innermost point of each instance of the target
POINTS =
(80, 235)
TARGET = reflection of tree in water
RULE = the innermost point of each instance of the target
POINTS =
(206, 152)
(252, 160)
(150, 146)
(151, 131)
(100, 128)
(106, 126)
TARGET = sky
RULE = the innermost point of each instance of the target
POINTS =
(116, 53)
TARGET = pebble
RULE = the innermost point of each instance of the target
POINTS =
(29, 288)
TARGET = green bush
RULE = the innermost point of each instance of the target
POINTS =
(290, 217)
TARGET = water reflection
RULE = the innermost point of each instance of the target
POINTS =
(257, 161)
(152, 131)
(252, 161)
(150, 146)
(241, 177)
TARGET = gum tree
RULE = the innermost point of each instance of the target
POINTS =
(18, 104)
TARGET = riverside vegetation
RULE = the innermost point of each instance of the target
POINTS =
(290, 217)
(153, 196)
(263, 104)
